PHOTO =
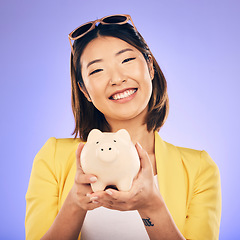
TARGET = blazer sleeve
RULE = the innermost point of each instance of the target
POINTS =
(204, 211)
(42, 193)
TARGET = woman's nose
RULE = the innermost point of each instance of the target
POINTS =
(117, 77)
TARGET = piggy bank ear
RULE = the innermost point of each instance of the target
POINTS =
(123, 134)
(94, 135)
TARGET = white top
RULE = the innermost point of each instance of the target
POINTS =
(106, 224)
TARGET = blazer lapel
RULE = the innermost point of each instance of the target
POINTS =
(171, 179)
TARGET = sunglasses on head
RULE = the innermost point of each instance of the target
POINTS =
(87, 27)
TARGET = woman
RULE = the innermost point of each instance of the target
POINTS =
(117, 83)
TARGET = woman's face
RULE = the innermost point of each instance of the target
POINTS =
(117, 78)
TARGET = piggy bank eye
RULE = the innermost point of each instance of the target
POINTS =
(114, 140)
(97, 142)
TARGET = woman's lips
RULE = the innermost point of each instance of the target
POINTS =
(124, 94)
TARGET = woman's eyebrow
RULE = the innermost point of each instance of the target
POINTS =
(124, 50)
(118, 53)
(94, 61)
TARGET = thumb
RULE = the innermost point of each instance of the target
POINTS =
(78, 154)
(144, 158)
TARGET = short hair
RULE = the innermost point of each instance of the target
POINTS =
(86, 115)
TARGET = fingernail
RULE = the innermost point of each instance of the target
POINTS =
(95, 202)
(93, 179)
(109, 192)
(93, 198)
(139, 145)
(88, 194)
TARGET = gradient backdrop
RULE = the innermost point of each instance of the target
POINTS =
(195, 42)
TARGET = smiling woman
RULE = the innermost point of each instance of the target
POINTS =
(121, 79)
(126, 47)
(118, 84)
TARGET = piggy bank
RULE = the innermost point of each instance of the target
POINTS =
(112, 157)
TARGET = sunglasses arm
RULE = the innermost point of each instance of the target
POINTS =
(71, 44)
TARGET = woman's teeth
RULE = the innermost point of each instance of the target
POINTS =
(124, 94)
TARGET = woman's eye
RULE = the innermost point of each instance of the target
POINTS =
(128, 59)
(95, 71)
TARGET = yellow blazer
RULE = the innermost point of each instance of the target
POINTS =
(188, 179)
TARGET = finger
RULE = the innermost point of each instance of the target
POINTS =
(122, 203)
(118, 196)
(78, 154)
(93, 201)
(82, 178)
(143, 155)
(93, 205)
(86, 203)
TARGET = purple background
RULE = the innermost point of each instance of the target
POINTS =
(195, 42)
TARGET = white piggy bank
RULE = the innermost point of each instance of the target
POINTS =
(112, 157)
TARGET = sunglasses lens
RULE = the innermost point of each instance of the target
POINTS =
(115, 19)
(81, 30)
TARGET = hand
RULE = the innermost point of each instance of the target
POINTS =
(142, 196)
(81, 190)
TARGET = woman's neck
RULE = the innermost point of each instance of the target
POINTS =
(138, 132)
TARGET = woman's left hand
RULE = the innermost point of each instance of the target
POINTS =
(142, 196)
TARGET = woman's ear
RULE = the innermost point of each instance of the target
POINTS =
(84, 91)
(150, 66)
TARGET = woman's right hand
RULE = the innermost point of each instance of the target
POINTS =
(81, 190)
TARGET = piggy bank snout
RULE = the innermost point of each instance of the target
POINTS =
(107, 152)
